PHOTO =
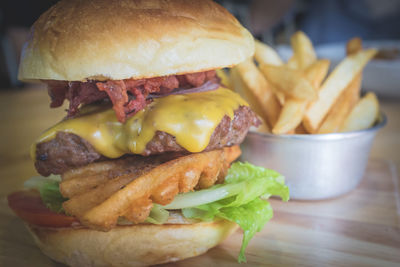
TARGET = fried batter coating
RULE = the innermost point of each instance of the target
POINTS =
(101, 198)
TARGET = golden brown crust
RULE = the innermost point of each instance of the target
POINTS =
(103, 39)
(136, 245)
(131, 195)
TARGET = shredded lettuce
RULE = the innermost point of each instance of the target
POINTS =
(48, 188)
(237, 199)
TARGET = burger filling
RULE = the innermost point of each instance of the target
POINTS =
(137, 151)
(127, 96)
(191, 123)
(68, 150)
(240, 197)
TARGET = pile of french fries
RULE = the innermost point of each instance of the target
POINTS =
(299, 96)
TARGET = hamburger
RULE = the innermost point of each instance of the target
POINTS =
(140, 171)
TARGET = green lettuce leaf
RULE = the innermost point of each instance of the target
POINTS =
(158, 215)
(237, 199)
(251, 217)
(48, 188)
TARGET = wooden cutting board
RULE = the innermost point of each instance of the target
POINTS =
(361, 228)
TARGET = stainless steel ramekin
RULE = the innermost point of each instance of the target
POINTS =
(316, 166)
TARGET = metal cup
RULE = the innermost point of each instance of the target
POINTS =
(317, 166)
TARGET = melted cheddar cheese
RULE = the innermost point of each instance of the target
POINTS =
(191, 118)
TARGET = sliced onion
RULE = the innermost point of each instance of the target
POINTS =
(207, 86)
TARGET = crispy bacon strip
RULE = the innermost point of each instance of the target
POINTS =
(116, 91)
(127, 96)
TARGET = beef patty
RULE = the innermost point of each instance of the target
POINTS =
(68, 150)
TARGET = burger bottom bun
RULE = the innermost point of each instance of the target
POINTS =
(130, 245)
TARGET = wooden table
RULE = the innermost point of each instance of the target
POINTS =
(361, 228)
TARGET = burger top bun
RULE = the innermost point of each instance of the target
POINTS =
(135, 245)
(78, 40)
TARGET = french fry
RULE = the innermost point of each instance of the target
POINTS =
(317, 71)
(279, 95)
(79, 204)
(292, 63)
(257, 86)
(364, 114)
(80, 180)
(265, 54)
(304, 58)
(293, 110)
(290, 116)
(348, 98)
(73, 187)
(306, 105)
(333, 86)
(353, 46)
(303, 50)
(342, 107)
(292, 82)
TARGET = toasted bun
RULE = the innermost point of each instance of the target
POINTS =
(107, 39)
(135, 245)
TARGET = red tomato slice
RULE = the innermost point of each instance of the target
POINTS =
(29, 207)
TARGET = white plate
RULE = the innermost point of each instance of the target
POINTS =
(380, 76)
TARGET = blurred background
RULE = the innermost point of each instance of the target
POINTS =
(329, 24)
